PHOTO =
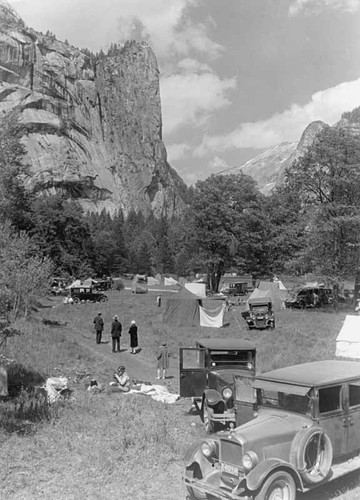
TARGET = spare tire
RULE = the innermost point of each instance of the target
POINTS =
(311, 453)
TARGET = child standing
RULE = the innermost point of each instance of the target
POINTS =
(163, 360)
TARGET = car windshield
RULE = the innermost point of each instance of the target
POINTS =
(283, 401)
(262, 308)
(240, 358)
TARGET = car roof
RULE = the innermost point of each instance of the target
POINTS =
(259, 300)
(315, 373)
(226, 344)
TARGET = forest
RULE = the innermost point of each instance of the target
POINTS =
(309, 224)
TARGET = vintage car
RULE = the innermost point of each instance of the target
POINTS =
(309, 297)
(80, 294)
(234, 289)
(307, 433)
(211, 372)
(260, 314)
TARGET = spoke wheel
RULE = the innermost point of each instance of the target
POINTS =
(279, 486)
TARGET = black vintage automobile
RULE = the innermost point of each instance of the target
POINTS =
(87, 294)
(211, 373)
(308, 296)
(260, 314)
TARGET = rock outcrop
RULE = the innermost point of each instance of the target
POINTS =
(92, 125)
(268, 168)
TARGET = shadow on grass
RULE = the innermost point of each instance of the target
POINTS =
(27, 404)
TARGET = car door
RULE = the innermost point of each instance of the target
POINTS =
(333, 417)
(352, 416)
(193, 373)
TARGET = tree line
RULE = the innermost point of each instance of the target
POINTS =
(309, 224)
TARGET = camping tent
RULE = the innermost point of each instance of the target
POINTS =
(270, 289)
(170, 281)
(182, 309)
(152, 281)
(348, 340)
(186, 309)
(198, 289)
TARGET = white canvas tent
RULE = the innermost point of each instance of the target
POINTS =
(170, 281)
(348, 340)
(198, 289)
(186, 309)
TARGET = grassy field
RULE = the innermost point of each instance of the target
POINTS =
(124, 446)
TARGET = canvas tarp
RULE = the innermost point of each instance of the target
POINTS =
(212, 318)
(348, 340)
(198, 289)
(182, 309)
(269, 289)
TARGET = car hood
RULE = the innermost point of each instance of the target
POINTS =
(271, 427)
(227, 376)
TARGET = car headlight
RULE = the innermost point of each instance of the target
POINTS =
(249, 460)
(208, 448)
(227, 392)
(250, 366)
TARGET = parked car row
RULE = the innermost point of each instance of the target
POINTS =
(287, 430)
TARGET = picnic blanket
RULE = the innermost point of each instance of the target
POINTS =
(157, 392)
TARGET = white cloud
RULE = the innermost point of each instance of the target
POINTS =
(312, 6)
(192, 98)
(326, 105)
(167, 25)
(177, 152)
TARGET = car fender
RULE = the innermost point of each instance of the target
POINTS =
(256, 476)
(212, 397)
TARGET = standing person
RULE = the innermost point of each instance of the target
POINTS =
(116, 334)
(133, 336)
(99, 326)
(163, 360)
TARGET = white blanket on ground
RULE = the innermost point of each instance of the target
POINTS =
(157, 392)
(54, 386)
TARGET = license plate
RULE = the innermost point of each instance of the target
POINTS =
(230, 469)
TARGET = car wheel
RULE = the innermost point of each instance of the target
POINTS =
(207, 412)
(278, 486)
(76, 300)
(103, 299)
(302, 306)
(311, 453)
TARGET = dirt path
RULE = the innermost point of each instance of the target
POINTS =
(141, 366)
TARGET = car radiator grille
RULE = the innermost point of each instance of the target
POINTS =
(231, 452)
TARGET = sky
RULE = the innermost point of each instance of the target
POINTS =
(236, 76)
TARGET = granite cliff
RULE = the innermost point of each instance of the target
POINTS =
(92, 126)
(268, 168)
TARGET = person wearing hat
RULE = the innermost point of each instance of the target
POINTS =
(122, 379)
(133, 332)
(116, 334)
(99, 326)
(163, 361)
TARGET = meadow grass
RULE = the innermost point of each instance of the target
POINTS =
(110, 445)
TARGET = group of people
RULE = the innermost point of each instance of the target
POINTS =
(122, 378)
(115, 332)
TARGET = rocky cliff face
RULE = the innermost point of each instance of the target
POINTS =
(268, 168)
(91, 127)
